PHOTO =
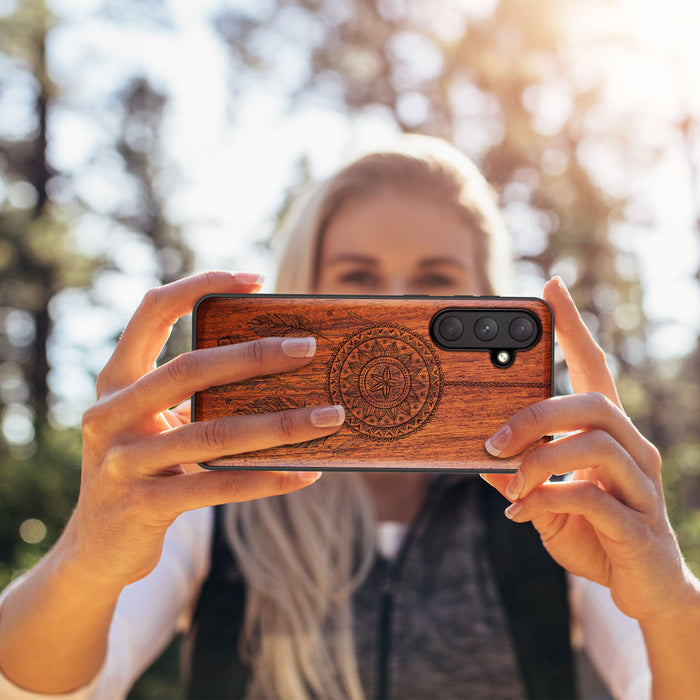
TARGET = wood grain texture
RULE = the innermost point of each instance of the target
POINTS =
(410, 405)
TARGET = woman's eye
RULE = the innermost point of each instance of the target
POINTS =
(360, 278)
(435, 281)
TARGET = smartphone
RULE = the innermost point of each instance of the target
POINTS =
(424, 380)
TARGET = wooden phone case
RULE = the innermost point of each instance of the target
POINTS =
(409, 404)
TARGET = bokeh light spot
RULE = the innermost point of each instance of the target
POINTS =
(32, 531)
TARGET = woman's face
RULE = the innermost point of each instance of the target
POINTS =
(398, 243)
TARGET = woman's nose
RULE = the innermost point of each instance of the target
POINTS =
(396, 286)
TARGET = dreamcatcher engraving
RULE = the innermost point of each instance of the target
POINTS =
(388, 378)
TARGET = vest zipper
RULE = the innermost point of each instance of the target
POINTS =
(391, 572)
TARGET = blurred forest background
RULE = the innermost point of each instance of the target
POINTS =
(575, 115)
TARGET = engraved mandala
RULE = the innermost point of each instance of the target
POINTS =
(388, 378)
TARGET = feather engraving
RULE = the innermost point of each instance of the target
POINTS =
(283, 324)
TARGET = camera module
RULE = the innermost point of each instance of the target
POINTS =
(451, 328)
(503, 331)
(485, 329)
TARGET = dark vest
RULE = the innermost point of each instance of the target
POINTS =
(532, 589)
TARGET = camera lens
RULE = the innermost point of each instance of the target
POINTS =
(485, 328)
(451, 328)
(521, 328)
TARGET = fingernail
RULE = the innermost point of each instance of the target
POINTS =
(515, 486)
(249, 277)
(327, 417)
(308, 477)
(513, 509)
(499, 441)
(560, 282)
(299, 347)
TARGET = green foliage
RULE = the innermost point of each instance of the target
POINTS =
(682, 483)
(40, 259)
(37, 250)
(39, 482)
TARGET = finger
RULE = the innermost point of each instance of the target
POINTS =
(149, 328)
(583, 498)
(177, 416)
(177, 494)
(565, 414)
(549, 524)
(498, 481)
(182, 413)
(207, 440)
(197, 370)
(585, 359)
(595, 450)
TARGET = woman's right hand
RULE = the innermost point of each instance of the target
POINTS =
(139, 461)
(139, 474)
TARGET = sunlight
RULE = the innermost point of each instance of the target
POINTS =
(643, 54)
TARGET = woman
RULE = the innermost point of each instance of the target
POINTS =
(416, 220)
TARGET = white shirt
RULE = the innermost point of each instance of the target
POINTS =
(152, 610)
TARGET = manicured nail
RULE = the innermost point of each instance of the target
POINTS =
(513, 509)
(328, 417)
(499, 441)
(560, 282)
(249, 277)
(515, 486)
(308, 477)
(299, 347)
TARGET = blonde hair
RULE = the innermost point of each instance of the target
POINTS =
(415, 164)
(304, 554)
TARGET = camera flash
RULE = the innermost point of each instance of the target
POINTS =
(503, 357)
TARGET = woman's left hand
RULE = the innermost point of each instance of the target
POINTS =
(609, 524)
